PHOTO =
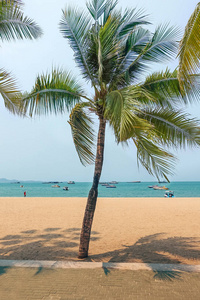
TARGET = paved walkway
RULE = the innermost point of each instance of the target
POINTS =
(53, 283)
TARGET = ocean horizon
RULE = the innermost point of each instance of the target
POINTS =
(81, 189)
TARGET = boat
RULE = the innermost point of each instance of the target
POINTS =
(134, 181)
(113, 182)
(169, 194)
(55, 186)
(156, 187)
(50, 182)
(71, 182)
(104, 184)
(65, 188)
(111, 186)
(21, 186)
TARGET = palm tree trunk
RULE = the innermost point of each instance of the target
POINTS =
(92, 197)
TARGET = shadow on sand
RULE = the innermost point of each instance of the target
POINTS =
(62, 244)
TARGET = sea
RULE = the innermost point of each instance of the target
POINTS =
(81, 189)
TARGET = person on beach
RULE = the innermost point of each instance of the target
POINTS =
(25, 194)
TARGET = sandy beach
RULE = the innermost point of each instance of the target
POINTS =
(147, 230)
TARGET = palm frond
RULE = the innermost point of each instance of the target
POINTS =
(127, 53)
(100, 8)
(83, 134)
(109, 8)
(9, 91)
(75, 26)
(121, 111)
(130, 21)
(163, 44)
(14, 25)
(189, 49)
(174, 128)
(56, 92)
(161, 47)
(164, 87)
(155, 159)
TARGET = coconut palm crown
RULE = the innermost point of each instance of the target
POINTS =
(13, 25)
(113, 49)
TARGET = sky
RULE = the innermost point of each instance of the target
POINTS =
(42, 148)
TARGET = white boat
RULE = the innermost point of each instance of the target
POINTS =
(71, 182)
(110, 186)
(65, 188)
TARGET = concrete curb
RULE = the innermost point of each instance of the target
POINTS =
(94, 265)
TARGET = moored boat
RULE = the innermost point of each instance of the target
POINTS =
(65, 188)
(55, 186)
(111, 186)
(71, 182)
(156, 187)
(134, 181)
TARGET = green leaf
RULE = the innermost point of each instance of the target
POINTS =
(131, 20)
(74, 26)
(155, 159)
(173, 127)
(56, 92)
(9, 92)
(163, 44)
(13, 23)
(97, 8)
(189, 50)
(83, 134)
(122, 113)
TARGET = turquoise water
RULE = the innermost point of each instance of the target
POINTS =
(81, 189)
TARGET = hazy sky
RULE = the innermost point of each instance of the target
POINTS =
(42, 148)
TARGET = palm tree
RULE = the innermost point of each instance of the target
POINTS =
(112, 51)
(13, 25)
(189, 49)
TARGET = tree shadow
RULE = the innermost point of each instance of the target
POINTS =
(62, 244)
(47, 244)
(167, 275)
(3, 270)
(156, 249)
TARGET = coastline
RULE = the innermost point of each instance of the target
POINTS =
(149, 230)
